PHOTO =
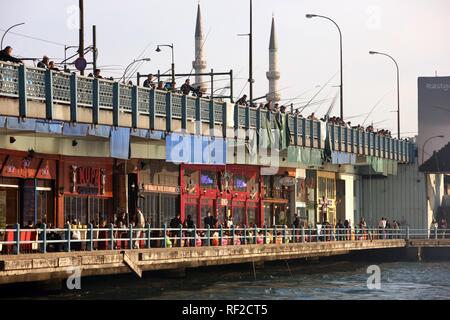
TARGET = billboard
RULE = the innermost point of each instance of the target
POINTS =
(434, 124)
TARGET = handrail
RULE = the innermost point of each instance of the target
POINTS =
(88, 238)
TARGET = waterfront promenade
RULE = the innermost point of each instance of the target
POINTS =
(35, 265)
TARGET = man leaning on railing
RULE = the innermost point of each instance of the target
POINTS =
(6, 55)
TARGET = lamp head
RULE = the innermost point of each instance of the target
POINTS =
(373, 52)
(158, 49)
(309, 16)
(146, 59)
(441, 136)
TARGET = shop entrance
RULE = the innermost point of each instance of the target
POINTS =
(222, 211)
(340, 200)
(38, 201)
(276, 213)
(133, 192)
(160, 208)
(9, 202)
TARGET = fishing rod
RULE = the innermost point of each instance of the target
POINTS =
(327, 115)
(373, 108)
(317, 93)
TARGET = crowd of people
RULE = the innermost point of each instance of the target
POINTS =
(187, 89)
(6, 55)
(277, 108)
(181, 233)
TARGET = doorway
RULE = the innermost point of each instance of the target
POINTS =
(340, 200)
(133, 193)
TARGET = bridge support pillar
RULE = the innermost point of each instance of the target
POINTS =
(414, 253)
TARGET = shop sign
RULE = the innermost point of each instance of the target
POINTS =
(158, 188)
(87, 180)
(19, 167)
(46, 170)
(288, 181)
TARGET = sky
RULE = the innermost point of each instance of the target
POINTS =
(414, 32)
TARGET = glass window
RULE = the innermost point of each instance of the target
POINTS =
(239, 216)
(322, 187)
(45, 206)
(204, 211)
(331, 192)
(75, 208)
(268, 219)
(251, 216)
(223, 214)
(170, 207)
(87, 209)
(9, 199)
(191, 209)
(208, 179)
(149, 206)
(240, 183)
(29, 201)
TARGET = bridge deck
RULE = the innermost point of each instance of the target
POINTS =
(429, 243)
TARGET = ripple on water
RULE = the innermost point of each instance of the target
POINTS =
(335, 280)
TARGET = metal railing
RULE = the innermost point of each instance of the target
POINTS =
(29, 83)
(88, 238)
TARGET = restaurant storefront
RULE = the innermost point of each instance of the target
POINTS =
(85, 190)
(230, 191)
(159, 196)
(321, 198)
(278, 194)
(27, 188)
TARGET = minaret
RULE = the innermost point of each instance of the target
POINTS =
(273, 75)
(199, 64)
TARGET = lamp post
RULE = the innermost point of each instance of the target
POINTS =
(398, 87)
(133, 62)
(309, 16)
(250, 54)
(425, 143)
(173, 61)
(7, 30)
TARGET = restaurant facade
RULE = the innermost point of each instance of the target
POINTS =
(57, 189)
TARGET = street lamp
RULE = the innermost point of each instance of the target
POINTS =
(158, 49)
(309, 16)
(398, 87)
(7, 30)
(425, 143)
(133, 62)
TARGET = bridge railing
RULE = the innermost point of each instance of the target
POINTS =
(74, 91)
(87, 238)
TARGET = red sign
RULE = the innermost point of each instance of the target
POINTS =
(47, 170)
(20, 167)
(87, 180)
(158, 188)
(89, 176)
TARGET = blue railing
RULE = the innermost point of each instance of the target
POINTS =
(28, 83)
(88, 238)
